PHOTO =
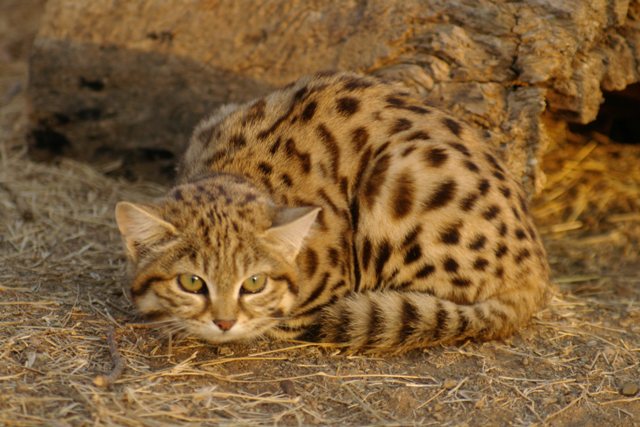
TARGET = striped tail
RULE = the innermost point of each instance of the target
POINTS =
(392, 320)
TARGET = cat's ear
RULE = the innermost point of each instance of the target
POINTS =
(290, 227)
(140, 226)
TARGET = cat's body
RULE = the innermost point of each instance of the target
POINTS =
(422, 236)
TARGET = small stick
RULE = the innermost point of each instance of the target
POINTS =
(118, 363)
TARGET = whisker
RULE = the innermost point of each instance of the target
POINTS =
(278, 318)
(160, 322)
(173, 331)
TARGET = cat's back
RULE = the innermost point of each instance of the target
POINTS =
(321, 129)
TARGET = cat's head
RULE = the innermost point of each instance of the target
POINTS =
(215, 257)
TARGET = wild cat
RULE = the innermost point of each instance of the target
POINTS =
(338, 209)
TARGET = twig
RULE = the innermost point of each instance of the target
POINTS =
(609, 402)
(118, 362)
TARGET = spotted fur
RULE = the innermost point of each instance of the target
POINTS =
(421, 237)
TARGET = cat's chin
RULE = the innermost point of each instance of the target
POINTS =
(227, 338)
(215, 336)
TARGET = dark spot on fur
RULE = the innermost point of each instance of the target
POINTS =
(292, 152)
(516, 213)
(441, 321)
(453, 126)
(412, 236)
(413, 254)
(362, 167)
(347, 106)
(400, 125)
(403, 196)
(394, 101)
(493, 162)
(384, 253)
(334, 256)
(425, 271)
(331, 146)
(460, 281)
(359, 138)
(409, 320)
(366, 253)
(238, 141)
(461, 148)
(417, 109)
(420, 134)
(376, 179)
(503, 229)
(523, 204)
(354, 83)
(309, 111)
(265, 168)
(381, 148)
(255, 113)
(483, 187)
(501, 250)
(522, 255)
(325, 197)
(480, 264)
(319, 289)
(450, 265)
(451, 234)
(478, 243)
(300, 93)
(444, 193)
(376, 324)
(491, 212)
(286, 180)
(506, 192)
(310, 262)
(275, 146)
(215, 157)
(463, 322)
(499, 175)
(435, 156)
(408, 150)
(344, 187)
(471, 166)
(468, 202)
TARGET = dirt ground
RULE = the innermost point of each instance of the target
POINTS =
(62, 292)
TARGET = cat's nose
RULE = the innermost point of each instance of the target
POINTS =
(225, 325)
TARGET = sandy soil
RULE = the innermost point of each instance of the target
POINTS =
(62, 292)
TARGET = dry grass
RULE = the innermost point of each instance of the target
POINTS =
(61, 297)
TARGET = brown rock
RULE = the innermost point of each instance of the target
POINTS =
(629, 388)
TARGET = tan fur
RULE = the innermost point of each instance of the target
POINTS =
(423, 236)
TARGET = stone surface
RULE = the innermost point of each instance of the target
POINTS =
(629, 388)
(129, 79)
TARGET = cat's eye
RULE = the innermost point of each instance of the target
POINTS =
(254, 284)
(192, 283)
